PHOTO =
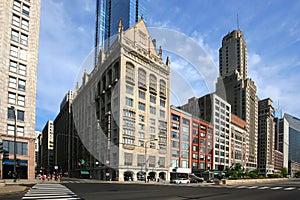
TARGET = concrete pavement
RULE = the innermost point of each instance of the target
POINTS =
(8, 186)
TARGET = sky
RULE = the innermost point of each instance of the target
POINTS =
(191, 33)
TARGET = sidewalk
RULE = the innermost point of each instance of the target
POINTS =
(8, 186)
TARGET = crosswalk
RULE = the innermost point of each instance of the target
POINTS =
(286, 188)
(50, 191)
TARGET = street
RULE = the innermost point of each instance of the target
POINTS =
(94, 189)
(281, 190)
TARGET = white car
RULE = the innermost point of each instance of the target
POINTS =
(181, 180)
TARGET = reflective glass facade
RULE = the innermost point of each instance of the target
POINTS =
(110, 13)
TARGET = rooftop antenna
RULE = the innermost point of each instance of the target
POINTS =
(237, 22)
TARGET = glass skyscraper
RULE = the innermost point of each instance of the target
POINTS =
(110, 13)
(294, 137)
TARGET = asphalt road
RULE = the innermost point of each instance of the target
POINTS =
(277, 191)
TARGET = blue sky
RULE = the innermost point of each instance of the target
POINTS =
(271, 30)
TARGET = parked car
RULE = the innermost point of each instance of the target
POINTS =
(180, 180)
(196, 180)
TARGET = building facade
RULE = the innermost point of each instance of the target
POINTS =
(36, 148)
(110, 13)
(266, 137)
(19, 37)
(71, 158)
(191, 144)
(121, 111)
(234, 86)
(238, 141)
(47, 147)
(217, 111)
(294, 137)
(282, 139)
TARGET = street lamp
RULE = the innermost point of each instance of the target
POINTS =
(151, 140)
(15, 143)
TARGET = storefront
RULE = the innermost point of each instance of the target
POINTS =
(21, 168)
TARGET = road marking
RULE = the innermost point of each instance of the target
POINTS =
(262, 188)
(289, 188)
(242, 186)
(50, 191)
(275, 188)
(253, 187)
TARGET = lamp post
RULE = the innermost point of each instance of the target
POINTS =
(15, 143)
(152, 140)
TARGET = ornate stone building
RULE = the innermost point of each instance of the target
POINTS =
(121, 110)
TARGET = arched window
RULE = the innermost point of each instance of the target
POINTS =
(129, 72)
(142, 78)
(153, 83)
(162, 88)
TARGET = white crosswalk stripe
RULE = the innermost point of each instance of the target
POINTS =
(275, 188)
(289, 188)
(50, 191)
(253, 187)
(263, 188)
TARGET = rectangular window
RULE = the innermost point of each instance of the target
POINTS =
(162, 162)
(20, 131)
(129, 102)
(14, 51)
(24, 39)
(22, 69)
(21, 84)
(141, 94)
(17, 6)
(23, 54)
(175, 135)
(128, 159)
(185, 121)
(152, 129)
(25, 24)
(14, 35)
(162, 103)
(128, 132)
(20, 115)
(25, 10)
(12, 82)
(141, 118)
(10, 129)
(12, 66)
(140, 160)
(141, 106)
(129, 89)
(162, 113)
(152, 99)
(141, 135)
(16, 20)
(128, 113)
(11, 98)
(151, 161)
(128, 140)
(141, 127)
(152, 121)
(10, 113)
(141, 143)
(152, 110)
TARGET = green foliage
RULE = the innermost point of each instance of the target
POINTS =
(253, 174)
(283, 172)
(297, 174)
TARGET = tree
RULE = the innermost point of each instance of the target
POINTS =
(283, 171)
